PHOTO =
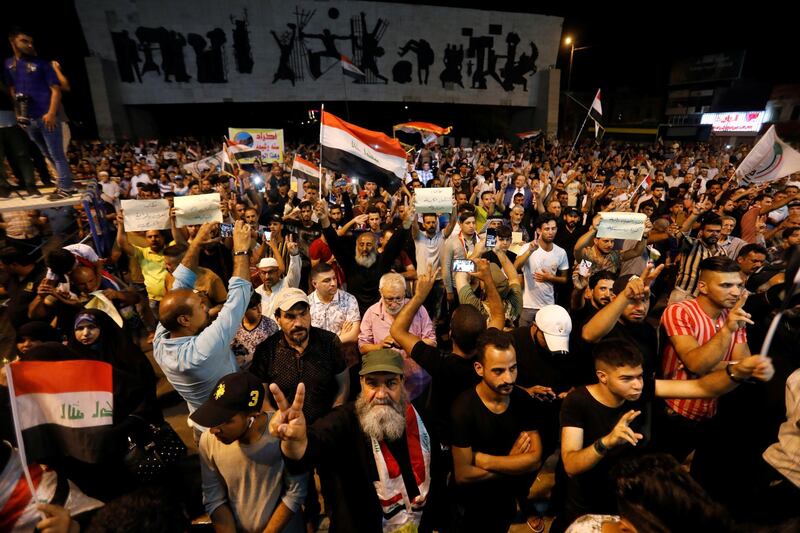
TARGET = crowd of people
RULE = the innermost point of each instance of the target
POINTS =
(344, 353)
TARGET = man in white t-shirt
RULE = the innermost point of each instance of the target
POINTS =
(544, 264)
(140, 177)
(428, 243)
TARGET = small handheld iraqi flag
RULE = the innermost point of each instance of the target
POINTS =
(350, 70)
(303, 171)
(60, 408)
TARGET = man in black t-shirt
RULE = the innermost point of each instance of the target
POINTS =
(589, 296)
(603, 422)
(452, 372)
(546, 369)
(625, 317)
(496, 446)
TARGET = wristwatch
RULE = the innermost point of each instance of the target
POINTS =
(729, 371)
(245, 252)
(599, 447)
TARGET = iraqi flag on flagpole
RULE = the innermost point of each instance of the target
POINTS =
(61, 408)
(770, 159)
(596, 112)
(647, 181)
(350, 70)
(361, 153)
(241, 151)
(302, 171)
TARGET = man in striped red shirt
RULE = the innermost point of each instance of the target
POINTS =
(705, 333)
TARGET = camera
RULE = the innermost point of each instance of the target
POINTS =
(21, 104)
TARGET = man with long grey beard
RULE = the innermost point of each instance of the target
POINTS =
(376, 452)
(364, 268)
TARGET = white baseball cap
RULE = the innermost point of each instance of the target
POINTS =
(267, 262)
(288, 298)
(556, 325)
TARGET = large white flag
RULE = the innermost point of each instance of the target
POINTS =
(770, 159)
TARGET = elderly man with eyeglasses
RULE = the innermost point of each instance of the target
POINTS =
(377, 321)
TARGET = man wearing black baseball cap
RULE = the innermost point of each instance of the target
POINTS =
(376, 452)
(245, 486)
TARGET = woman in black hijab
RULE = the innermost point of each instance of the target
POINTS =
(95, 336)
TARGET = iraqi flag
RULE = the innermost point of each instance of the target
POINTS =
(525, 135)
(240, 152)
(61, 408)
(596, 112)
(647, 181)
(770, 159)
(361, 153)
(423, 128)
(350, 70)
(302, 171)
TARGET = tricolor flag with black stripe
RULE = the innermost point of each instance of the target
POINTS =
(302, 171)
(350, 70)
(596, 112)
(647, 181)
(525, 135)
(361, 153)
(61, 408)
(241, 152)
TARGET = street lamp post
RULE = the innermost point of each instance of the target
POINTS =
(571, 42)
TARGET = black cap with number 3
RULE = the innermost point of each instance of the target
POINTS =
(240, 392)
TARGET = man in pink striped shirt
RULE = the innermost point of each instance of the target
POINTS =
(705, 334)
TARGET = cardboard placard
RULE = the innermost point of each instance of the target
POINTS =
(143, 215)
(197, 209)
(621, 225)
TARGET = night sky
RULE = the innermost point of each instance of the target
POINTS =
(632, 44)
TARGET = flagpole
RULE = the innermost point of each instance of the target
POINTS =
(20, 443)
(346, 102)
(321, 168)
(578, 135)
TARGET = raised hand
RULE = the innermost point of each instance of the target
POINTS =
(650, 274)
(622, 432)
(321, 209)
(291, 245)
(636, 289)
(203, 234)
(738, 317)
(288, 423)
(241, 236)
(426, 281)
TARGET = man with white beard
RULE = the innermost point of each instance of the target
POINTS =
(376, 452)
(364, 268)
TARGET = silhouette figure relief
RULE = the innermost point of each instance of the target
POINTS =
(366, 47)
(328, 41)
(425, 57)
(210, 61)
(128, 59)
(242, 52)
(453, 60)
(286, 46)
(300, 51)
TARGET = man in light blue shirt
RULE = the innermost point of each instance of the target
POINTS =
(192, 353)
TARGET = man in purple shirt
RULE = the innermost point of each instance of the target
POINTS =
(35, 86)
